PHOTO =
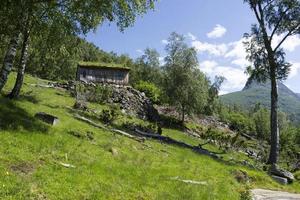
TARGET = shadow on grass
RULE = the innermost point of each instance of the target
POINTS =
(171, 122)
(12, 117)
(28, 97)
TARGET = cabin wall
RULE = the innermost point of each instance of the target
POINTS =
(115, 76)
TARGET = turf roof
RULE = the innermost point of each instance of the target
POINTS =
(102, 65)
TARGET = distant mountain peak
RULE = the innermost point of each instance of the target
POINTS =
(255, 92)
(281, 87)
(252, 83)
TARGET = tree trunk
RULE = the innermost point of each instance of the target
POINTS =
(9, 58)
(274, 151)
(21, 68)
(182, 114)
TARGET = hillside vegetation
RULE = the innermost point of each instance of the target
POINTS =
(255, 93)
(35, 158)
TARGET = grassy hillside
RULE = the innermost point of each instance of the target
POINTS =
(109, 166)
(289, 102)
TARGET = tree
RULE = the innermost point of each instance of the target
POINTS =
(262, 123)
(213, 94)
(274, 17)
(77, 17)
(147, 68)
(185, 86)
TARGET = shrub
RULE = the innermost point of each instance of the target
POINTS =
(297, 175)
(245, 194)
(240, 123)
(93, 93)
(100, 94)
(151, 91)
(150, 128)
(107, 116)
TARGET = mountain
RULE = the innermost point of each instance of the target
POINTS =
(254, 92)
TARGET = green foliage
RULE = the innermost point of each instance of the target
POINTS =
(255, 93)
(290, 146)
(273, 18)
(56, 58)
(108, 116)
(146, 127)
(261, 120)
(297, 175)
(223, 139)
(245, 194)
(93, 93)
(150, 90)
(213, 95)
(32, 158)
(238, 122)
(185, 86)
(147, 68)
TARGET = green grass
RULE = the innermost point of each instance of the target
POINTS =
(31, 153)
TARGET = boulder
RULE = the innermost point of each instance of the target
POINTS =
(280, 180)
(113, 151)
(50, 119)
(80, 105)
(276, 171)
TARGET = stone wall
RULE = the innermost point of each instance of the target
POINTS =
(130, 100)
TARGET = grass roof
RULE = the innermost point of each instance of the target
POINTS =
(102, 65)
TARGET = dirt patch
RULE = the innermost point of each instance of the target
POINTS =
(260, 194)
(23, 168)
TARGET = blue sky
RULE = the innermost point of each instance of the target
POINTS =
(214, 27)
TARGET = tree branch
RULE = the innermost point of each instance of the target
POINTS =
(278, 23)
(258, 17)
(286, 36)
(269, 3)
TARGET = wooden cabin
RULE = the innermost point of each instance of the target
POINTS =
(102, 73)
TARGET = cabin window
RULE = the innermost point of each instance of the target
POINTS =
(119, 76)
(84, 74)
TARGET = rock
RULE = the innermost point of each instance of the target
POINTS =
(280, 180)
(296, 166)
(67, 165)
(113, 151)
(189, 181)
(274, 170)
(241, 176)
(80, 105)
(261, 194)
(130, 100)
(50, 119)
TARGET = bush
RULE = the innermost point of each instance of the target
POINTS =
(93, 93)
(151, 91)
(240, 123)
(107, 116)
(149, 128)
(100, 94)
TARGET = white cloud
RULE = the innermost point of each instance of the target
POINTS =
(213, 49)
(238, 53)
(164, 41)
(290, 44)
(295, 69)
(139, 51)
(161, 60)
(191, 36)
(223, 92)
(208, 66)
(235, 77)
(217, 32)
